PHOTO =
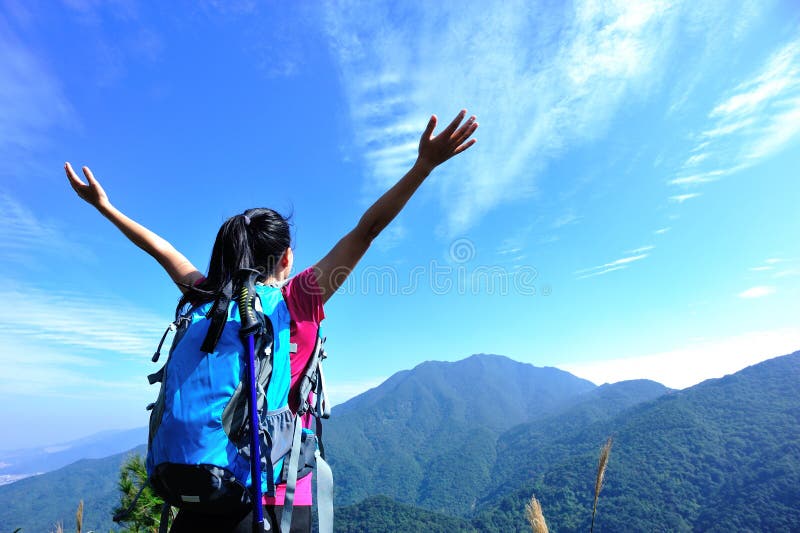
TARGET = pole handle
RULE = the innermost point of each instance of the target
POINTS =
(245, 298)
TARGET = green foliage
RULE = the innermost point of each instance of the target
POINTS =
(380, 514)
(145, 515)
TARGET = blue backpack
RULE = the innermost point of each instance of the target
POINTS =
(199, 445)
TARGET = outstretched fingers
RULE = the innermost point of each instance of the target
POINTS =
(90, 177)
(428, 133)
(464, 146)
(448, 131)
(91, 192)
(463, 133)
(73, 178)
(454, 139)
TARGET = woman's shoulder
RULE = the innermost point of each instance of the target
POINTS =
(303, 296)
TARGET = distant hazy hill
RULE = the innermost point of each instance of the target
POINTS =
(37, 503)
(47, 458)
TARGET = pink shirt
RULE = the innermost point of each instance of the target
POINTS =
(303, 297)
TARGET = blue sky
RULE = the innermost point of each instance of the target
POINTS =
(628, 211)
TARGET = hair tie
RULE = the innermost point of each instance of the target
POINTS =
(246, 220)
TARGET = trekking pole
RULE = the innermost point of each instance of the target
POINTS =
(250, 327)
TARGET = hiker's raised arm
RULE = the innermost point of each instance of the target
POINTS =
(333, 269)
(179, 268)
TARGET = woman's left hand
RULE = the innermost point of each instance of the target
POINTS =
(433, 151)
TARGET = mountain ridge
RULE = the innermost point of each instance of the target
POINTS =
(696, 458)
(41, 459)
(678, 462)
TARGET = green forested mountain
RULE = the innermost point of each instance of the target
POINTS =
(721, 456)
(549, 440)
(435, 427)
(462, 446)
(379, 513)
(491, 380)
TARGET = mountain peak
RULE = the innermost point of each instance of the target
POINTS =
(481, 386)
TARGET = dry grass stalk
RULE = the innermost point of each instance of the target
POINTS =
(605, 452)
(533, 512)
(79, 517)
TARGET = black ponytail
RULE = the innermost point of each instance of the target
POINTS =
(255, 239)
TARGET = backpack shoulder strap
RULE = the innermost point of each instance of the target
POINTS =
(313, 381)
(218, 314)
(324, 494)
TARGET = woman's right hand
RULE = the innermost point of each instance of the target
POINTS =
(92, 192)
(435, 150)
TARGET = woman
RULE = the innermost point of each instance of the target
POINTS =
(261, 238)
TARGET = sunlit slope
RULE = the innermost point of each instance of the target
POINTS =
(723, 455)
(428, 436)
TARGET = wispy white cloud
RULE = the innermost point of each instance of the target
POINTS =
(92, 10)
(391, 237)
(567, 71)
(24, 236)
(641, 249)
(77, 323)
(509, 251)
(695, 362)
(780, 267)
(565, 220)
(779, 74)
(757, 292)
(69, 345)
(120, 37)
(721, 131)
(623, 261)
(617, 264)
(661, 231)
(771, 263)
(703, 177)
(33, 101)
(780, 129)
(680, 198)
(716, 27)
(515, 242)
(756, 119)
(34, 368)
(234, 7)
(603, 271)
(695, 159)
